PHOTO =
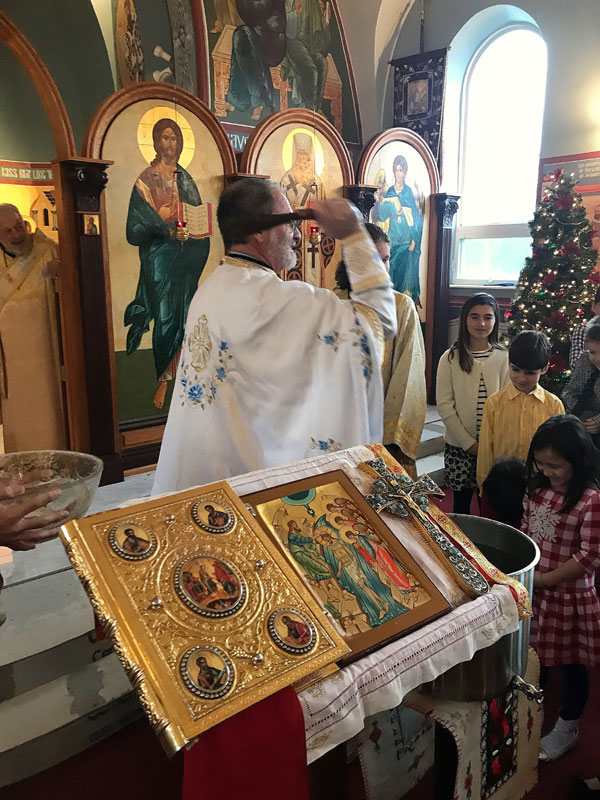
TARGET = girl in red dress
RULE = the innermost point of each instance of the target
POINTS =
(562, 515)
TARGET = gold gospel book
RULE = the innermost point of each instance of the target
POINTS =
(205, 612)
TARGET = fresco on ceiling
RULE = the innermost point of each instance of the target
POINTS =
(262, 57)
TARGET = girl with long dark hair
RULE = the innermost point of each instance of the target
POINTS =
(469, 372)
(562, 515)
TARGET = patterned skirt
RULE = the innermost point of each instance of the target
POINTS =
(460, 468)
(565, 628)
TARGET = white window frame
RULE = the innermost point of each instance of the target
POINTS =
(502, 231)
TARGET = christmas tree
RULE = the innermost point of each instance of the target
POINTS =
(557, 283)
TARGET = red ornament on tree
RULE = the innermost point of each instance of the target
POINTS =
(558, 318)
(564, 202)
(557, 363)
(549, 279)
(594, 276)
(557, 174)
(570, 249)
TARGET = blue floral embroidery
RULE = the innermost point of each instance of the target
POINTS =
(203, 393)
(195, 392)
(364, 345)
(332, 339)
(325, 445)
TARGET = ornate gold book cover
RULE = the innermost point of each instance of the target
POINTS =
(205, 612)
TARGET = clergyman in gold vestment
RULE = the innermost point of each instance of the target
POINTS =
(30, 387)
(403, 369)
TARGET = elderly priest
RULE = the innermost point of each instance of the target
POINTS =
(30, 383)
(273, 372)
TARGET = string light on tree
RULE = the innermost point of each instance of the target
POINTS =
(557, 282)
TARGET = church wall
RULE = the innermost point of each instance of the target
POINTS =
(25, 134)
(69, 41)
(82, 42)
(572, 113)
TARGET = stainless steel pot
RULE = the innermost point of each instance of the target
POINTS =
(490, 671)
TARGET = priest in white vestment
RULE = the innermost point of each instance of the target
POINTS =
(273, 372)
(30, 384)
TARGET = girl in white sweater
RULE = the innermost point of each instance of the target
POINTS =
(469, 372)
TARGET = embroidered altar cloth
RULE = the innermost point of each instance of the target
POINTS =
(335, 708)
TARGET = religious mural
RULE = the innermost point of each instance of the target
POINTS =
(306, 167)
(261, 58)
(277, 55)
(167, 178)
(403, 189)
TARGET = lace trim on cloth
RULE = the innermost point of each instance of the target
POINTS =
(335, 708)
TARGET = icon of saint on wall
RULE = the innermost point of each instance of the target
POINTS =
(301, 184)
(397, 213)
(169, 269)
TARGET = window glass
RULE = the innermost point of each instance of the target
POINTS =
(503, 106)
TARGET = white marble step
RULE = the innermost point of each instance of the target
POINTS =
(46, 725)
(431, 415)
(433, 465)
(48, 665)
(432, 439)
(42, 613)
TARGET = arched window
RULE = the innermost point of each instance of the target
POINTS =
(46, 218)
(502, 108)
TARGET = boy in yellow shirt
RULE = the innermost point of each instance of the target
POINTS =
(512, 415)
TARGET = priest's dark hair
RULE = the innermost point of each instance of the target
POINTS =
(461, 345)
(530, 350)
(567, 436)
(244, 199)
(377, 234)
